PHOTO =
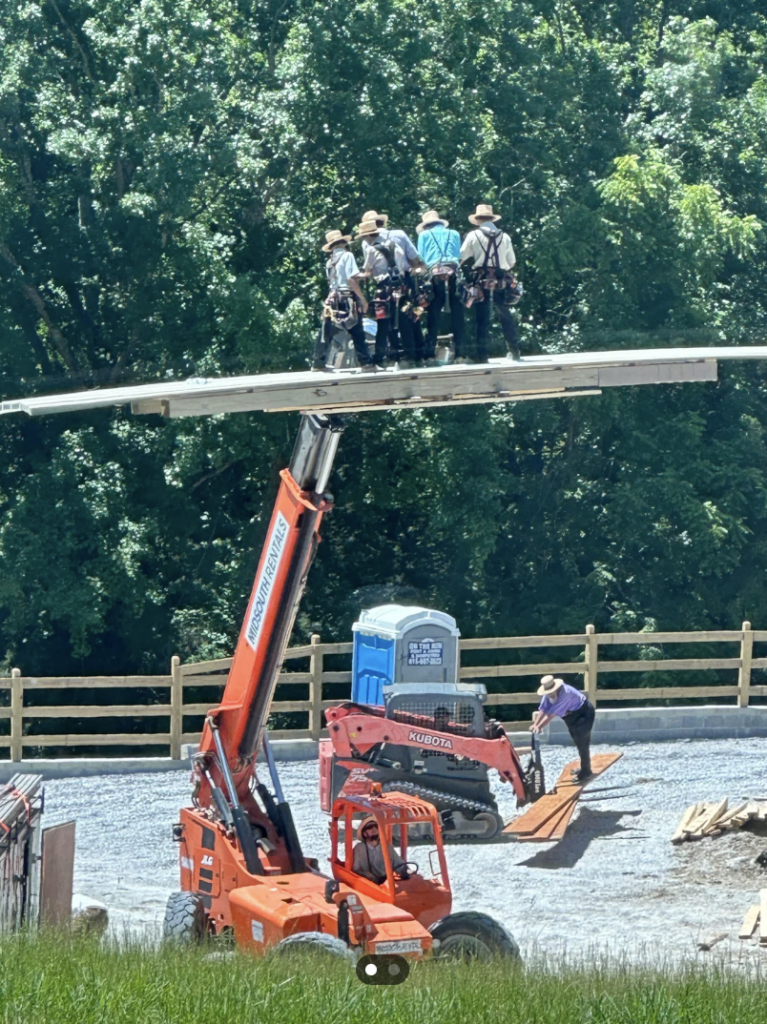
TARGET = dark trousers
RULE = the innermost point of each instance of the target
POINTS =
(325, 336)
(457, 318)
(508, 326)
(579, 724)
(385, 338)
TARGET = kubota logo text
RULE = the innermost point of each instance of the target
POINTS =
(430, 741)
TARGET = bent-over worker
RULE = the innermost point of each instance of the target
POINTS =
(369, 856)
(560, 700)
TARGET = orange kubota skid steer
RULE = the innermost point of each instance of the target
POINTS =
(242, 866)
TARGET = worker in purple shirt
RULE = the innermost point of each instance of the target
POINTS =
(560, 700)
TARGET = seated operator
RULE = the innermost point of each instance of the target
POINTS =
(369, 855)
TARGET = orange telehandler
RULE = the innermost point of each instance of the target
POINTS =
(242, 867)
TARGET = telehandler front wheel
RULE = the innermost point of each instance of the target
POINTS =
(185, 918)
(472, 936)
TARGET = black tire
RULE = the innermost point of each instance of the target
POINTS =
(185, 919)
(472, 936)
(314, 942)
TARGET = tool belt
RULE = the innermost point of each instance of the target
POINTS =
(444, 271)
(390, 288)
(485, 282)
(341, 309)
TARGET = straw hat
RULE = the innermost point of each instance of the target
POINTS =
(367, 227)
(372, 215)
(429, 218)
(549, 685)
(332, 237)
(370, 820)
(485, 212)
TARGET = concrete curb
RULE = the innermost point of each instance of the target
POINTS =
(613, 726)
(81, 767)
(653, 725)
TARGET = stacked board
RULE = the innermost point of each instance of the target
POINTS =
(756, 915)
(712, 819)
(548, 818)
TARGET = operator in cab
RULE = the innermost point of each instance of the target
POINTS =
(369, 855)
(560, 700)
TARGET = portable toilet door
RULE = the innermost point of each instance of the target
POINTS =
(396, 644)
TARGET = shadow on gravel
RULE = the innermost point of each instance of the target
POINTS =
(589, 825)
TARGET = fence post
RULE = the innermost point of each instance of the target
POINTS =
(176, 707)
(17, 715)
(591, 657)
(744, 674)
(316, 662)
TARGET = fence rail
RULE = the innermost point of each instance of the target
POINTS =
(175, 708)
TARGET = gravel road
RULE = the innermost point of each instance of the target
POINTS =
(614, 884)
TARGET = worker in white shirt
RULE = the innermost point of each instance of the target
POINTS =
(488, 258)
(345, 305)
(406, 339)
(384, 261)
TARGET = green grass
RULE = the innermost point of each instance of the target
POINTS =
(57, 980)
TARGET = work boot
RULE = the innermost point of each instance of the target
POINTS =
(431, 361)
(514, 354)
(320, 367)
(368, 368)
(461, 361)
(580, 776)
(404, 364)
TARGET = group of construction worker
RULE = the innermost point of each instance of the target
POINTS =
(398, 282)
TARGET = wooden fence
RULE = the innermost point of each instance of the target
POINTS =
(593, 662)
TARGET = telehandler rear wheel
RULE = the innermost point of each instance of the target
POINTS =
(185, 918)
(472, 936)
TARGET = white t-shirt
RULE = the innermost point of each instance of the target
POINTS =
(376, 263)
(340, 267)
(476, 243)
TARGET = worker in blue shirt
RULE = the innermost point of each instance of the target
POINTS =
(440, 249)
(560, 700)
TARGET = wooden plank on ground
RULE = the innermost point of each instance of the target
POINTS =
(763, 916)
(689, 815)
(57, 875)
(554, 803)
(750, 922)
(710, 818)
(549, 806)
(555, 828)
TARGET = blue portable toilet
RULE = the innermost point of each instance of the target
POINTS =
(402, 644)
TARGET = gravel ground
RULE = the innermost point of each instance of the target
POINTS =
(614, 884)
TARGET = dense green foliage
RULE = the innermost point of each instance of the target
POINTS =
(166, 173)
(62, 982)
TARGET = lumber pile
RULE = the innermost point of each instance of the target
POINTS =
(20, 808)
(547, 820)
(756, 915)
(713, 819)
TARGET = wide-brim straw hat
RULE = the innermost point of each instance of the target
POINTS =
(367, 227)
(370, 820)
(428, 219)
(372, 215)
(485, 213)
(332, 238)
(549, 685)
